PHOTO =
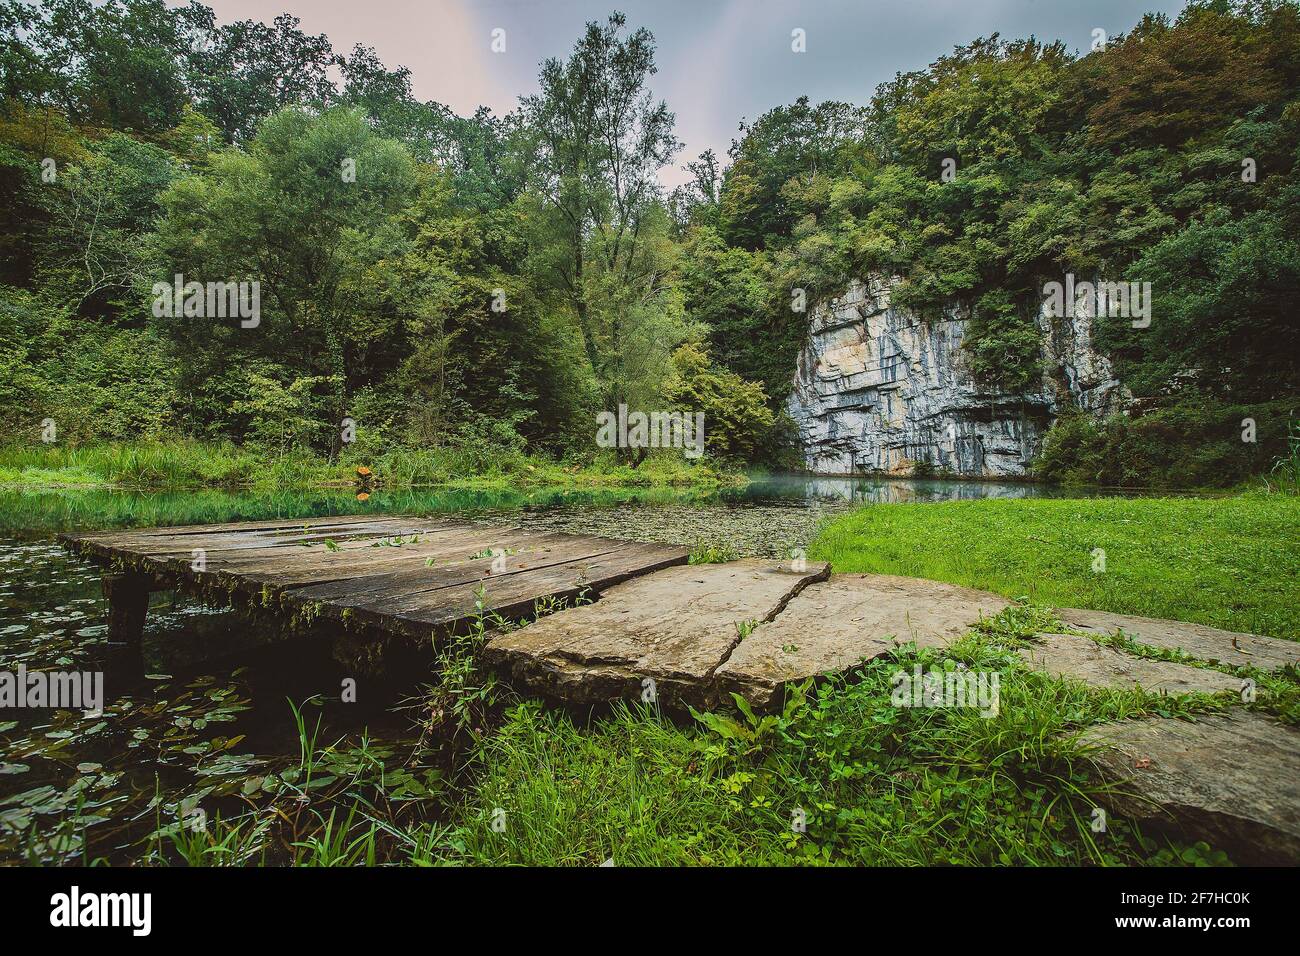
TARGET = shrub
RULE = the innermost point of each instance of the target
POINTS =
(736, 416)
(1195, 443)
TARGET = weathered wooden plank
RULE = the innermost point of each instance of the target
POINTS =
(268, 573)
(320, 568)
(263, 524)
(154, 556)
(414, 587)
(515, 595)
(413, 537)
(509, 595)
(219, 541)
(279, 568)
(529, 550)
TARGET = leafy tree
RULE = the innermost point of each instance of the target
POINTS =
(1153, 86)
(113, 64)
(988, 100)
(1005, 350)
(306, 213)
(194, 139)
(22, 388)
(477, 150)
(599, 139)
(1223, 320)
(697, 201)
(788, 143)
(728, 290)
(736, 416)
(244, 72)
(100, 212)
(481, 348)
(30, 137)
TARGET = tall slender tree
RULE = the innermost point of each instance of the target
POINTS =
(597, 139)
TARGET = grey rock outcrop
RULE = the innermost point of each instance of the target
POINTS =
(881, 389)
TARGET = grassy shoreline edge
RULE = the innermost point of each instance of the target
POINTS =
(185, 464)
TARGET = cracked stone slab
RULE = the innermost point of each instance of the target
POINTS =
(1071, 655)
(674, 626)
(834, 626)
(1234, 648)
(1232, 780)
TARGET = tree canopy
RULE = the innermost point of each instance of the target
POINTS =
(440, 278)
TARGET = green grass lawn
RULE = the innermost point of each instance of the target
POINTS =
(1226, 562)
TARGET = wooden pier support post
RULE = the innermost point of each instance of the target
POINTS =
(128, 603)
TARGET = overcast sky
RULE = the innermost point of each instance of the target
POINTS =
(719, 60)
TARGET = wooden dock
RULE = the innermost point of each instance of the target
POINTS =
(400, 574)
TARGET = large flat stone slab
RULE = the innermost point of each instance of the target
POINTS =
(1235, 648)
(834, 626)
(1082, 658)
(1232, 780)
(674, 626)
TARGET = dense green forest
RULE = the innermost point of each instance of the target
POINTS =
(495, 281)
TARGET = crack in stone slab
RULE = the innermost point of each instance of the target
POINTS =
(833, 626)
(675, 626)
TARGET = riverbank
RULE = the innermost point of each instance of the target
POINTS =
(183, 464)
(471, 772)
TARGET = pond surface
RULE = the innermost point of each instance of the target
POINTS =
(201, 729)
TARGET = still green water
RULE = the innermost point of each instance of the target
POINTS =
(211, 725)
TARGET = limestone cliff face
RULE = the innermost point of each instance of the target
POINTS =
(880, 389)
